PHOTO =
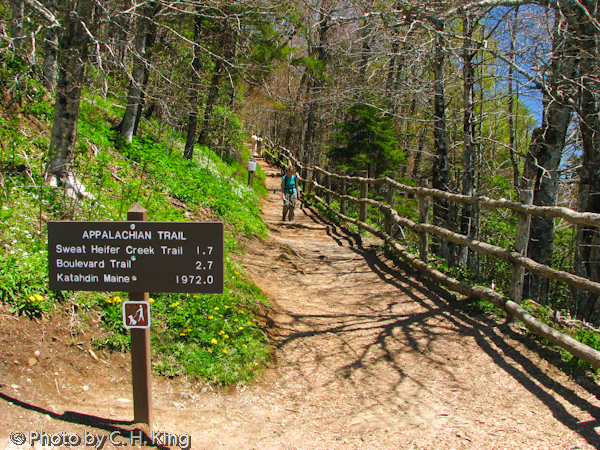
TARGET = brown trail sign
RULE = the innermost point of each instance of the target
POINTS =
(138, 257)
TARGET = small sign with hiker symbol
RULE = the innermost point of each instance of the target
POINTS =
(136, 314)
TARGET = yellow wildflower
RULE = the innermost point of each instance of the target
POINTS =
(210, 317)
(150, 300)
(226, 336)
(226, 307)
(240, 328)
(209, 350)
(220, 315)
(214, 341)
(38, 297)
(117, 299)
(221, 332)
(196, 296)
(235, 320)
(241, 311)
(32, 299)
(244, 345)
(216, 308)
(249, 323)
(175, 304)
(224, 351)
(181, 334)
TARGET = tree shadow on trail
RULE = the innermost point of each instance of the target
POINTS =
(490, 336)
(339, 234)
(440, 316)
(124, 429)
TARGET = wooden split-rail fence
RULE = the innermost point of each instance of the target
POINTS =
(317, 184)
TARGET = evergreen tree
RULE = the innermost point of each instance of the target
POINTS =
(369, 141)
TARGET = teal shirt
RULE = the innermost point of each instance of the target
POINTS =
(290, 184)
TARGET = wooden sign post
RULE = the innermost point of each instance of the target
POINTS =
(141, 369)
(251, 170)
(137, 256)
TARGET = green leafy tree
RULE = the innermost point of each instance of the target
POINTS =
(369, 141)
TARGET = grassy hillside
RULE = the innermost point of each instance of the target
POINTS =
(214, 337)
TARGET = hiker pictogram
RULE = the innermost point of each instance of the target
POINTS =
(136, 314)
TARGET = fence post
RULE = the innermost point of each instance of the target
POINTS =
(310, 177)
(304, 176)
(515, 292)
(364, 192)
(391, 192)
(423, 218)
(317, 176)
(328, 186)
(343, 192)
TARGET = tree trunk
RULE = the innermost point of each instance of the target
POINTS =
(188, 153)
(511, 105)
(291, 128)
(314, 87)
(441, 172)
(418, 157)
(587, 258)
(50, 58)
(74, 50)
(470, 217)
(395, 63)
(365, 53)
(138, 75)
(309, 135)
(229, 46)
(16, 23)
(543, 160)
(150, 40)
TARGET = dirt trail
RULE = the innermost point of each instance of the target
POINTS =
(368, 355)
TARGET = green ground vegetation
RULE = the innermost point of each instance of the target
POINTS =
(213, 337)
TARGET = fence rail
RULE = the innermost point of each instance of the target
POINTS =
(317, 183)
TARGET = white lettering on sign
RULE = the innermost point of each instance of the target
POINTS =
(105, 250)
(193, 279)
(116, 264)
(74, 249)
(171, 250)
(110, 278)
(123, 234)
(76, 278)
(79, 264)
(139, 250)
(171, 235)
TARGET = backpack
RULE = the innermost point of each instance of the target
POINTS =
(285, 182)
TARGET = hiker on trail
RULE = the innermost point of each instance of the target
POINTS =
(289, 193)
(253, 141)
(260, 144)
